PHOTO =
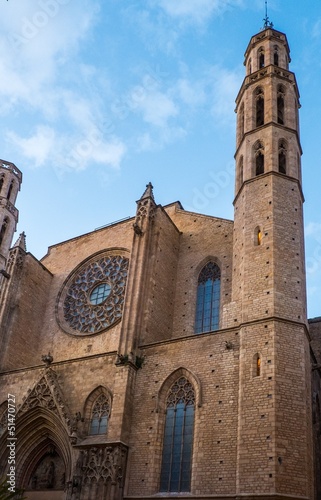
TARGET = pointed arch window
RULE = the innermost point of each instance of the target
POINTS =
(257, 362)
(208, 299)
(258, 236)
(259, 101)
(259, 158)
(261, 58)
(1, 182)
(178, 438)
(100, 415)
(280, 104)
(10, 190)
(276, 56)
(282, 157)
(3, 229)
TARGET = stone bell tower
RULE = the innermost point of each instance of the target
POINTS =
(10, 182)
(274, 429)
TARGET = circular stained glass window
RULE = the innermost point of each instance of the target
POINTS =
(99, 294)
(92, 298)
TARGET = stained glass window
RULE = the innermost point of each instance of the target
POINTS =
(100, 293)
(208, 299)
(100, 415)
(178, 438)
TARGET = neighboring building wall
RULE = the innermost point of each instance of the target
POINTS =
(21, 326)
(315, 334)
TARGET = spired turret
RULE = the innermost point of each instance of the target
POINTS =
(10, 182)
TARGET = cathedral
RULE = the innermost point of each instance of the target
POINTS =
(169, 355)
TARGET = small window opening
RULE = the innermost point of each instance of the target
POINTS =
(1, 182)
(258, 236)
(257, 365)
(250, 66)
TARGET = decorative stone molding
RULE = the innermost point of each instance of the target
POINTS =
(47, 394)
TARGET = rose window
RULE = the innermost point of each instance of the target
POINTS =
(92, 298)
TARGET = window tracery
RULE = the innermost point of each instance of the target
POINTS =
(178, 438)
(92, 299)
(208, 298)
(100, 415)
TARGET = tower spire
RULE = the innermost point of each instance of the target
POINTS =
(267, 22)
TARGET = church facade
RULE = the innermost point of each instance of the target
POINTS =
(170, 355)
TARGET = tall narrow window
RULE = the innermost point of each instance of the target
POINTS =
(208, 299)
(249, 66)
(3, 229)
(10, 190)
(259, 158)
(99, 415)
(276, 56)
(1, 182)
(258, 236)
(280, 104)
(240, 172)
(261, 58)
(257, 365)
(282, 157)
(241, 122)
(259, 101)
(178, 438)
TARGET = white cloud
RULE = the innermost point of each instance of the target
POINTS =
(316, 29)
(36, 39)
(156, 107)
(66, 153)
(191, 93)
(37, 147)
(154, 141)
(225, 86)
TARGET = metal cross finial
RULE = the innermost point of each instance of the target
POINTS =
(267, 22)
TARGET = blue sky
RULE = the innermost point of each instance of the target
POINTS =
(97, 98)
